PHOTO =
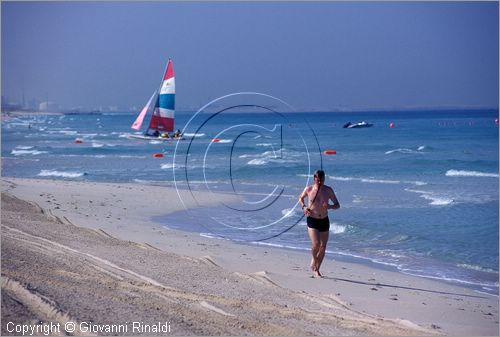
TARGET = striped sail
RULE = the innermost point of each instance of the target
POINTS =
(163, 113)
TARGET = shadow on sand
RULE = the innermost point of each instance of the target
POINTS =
(399, 287)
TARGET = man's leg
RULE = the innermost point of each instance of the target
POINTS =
(314, 235)
(323, 240)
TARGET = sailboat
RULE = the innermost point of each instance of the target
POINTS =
(162, 105)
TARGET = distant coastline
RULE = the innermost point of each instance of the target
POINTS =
(402, 109)
(14, 113)
(43, 113)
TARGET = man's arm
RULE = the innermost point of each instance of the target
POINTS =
(307, 211)
(333, 198)
(302, 197)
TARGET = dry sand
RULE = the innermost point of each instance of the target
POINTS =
(88, 252)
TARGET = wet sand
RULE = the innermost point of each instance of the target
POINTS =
(88, 252)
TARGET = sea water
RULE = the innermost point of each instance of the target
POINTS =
(420, 197)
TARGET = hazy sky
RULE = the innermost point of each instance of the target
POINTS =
(319, 55)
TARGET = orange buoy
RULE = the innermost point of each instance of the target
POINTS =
(392, 125)
(215, 140)
(78, 141)
(158, 155)
(329, 152)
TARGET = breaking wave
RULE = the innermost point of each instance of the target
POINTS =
(463, 173)
(54, 173)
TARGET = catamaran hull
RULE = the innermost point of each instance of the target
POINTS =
(153, 138)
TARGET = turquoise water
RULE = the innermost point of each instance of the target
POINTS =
(421, 197)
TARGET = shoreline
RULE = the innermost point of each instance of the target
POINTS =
(435, 306)
(368, 263)
(481, 286)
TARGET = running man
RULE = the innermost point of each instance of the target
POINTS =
(318, 224)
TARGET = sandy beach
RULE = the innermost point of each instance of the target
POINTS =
(88, 253)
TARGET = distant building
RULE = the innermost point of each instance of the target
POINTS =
(49, 107)
(33, 104)
(7, 105)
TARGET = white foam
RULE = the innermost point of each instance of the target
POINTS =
(24, 147)
(206, 182)
(27, 152)
(478, 268)
(341, 178)
(288, 212)
(371, 180)
(64, 132)
(449, 279)
(379, 181)
(407, 151)
(357, 199)
(463, 173)
(257, 162)
(274, 157)
(335, 228)
(436, 200)
(366, 180)
(97, 145)
(54, 173)
(18, 124)
(193, 135)
(277, 245)
(141, 181)
(168, 166)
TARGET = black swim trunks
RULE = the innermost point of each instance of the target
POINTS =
(322, 225)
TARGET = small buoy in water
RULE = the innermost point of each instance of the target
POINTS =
(158, 155)
(391, 125)
(215, 140)
(78, 141)
(330, 152)
(496, 121)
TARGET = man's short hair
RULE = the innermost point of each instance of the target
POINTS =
(320, 174)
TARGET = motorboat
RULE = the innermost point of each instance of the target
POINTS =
(362, 124)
